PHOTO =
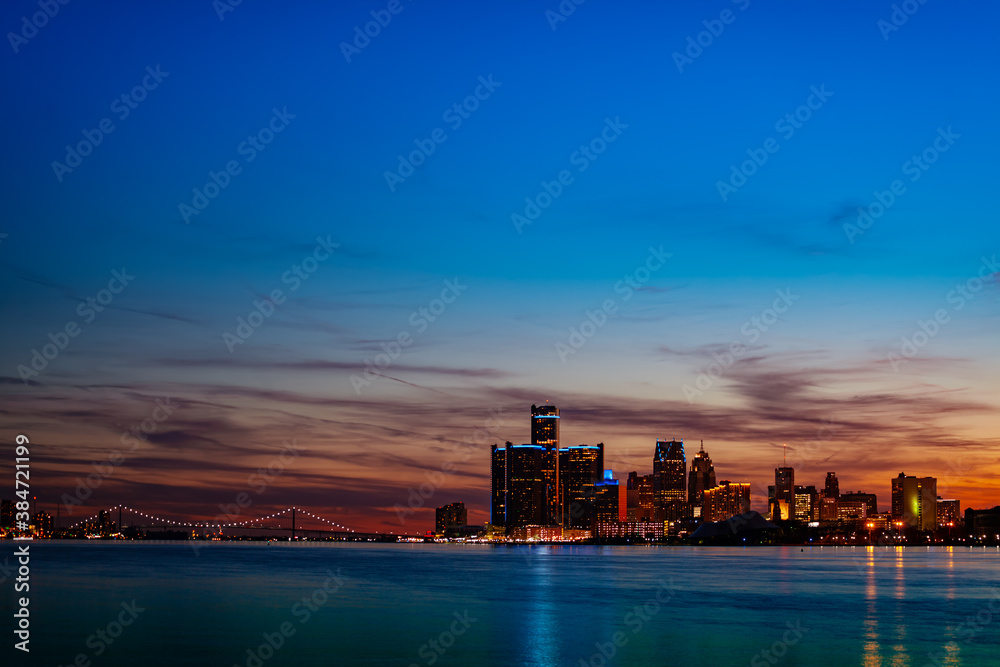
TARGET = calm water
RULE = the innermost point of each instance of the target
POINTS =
(510, 605)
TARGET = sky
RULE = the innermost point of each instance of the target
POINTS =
(770, 227)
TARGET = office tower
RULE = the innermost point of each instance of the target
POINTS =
(647, 499)
(450, 517)
(781, 500)
(669, 479)
(827, 508)
(545, 433)
(579, 465)
(832, 489)
(806, 503)
(606, 499)
(632, 497)
(726, 500)
(949, 513)
(7, 514)
(498, 476)
(701, 477)
(852, 510)
(914, 501)
(525, 504)
(869, 499)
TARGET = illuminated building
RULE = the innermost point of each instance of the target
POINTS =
(726, 500)
(525, 501)
(806, 503)
(949, 513)
(43, 523)
(852, 510)
(607, 503)
(450, 517)
(784, 485)
(669, 483)
(579, 465)
(914, 501)
(545, 433)
(645, 530)
(639, 504)
(701, 477)
(827, 509)
(498, 476)
(868, 498)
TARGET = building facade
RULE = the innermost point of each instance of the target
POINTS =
(914, 501)
(701, 478)
(726, 500)
(670, 480)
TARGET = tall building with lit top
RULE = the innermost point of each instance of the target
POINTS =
(669, 479)
(579, 465)
(701, 478)
(914, 501)
(525, 502)
(545, 434)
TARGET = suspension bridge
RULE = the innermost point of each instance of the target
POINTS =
(294, 521)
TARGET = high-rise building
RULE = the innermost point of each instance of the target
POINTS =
(639, 501)
(806, 503)
(701, 478)
(450, 517)
(832, 489)
(579, 465)
(498, 477)
(914, 501)
(869, 499)
(726, 500)
(607, 504)
(949, 513)
(545, 433)
(669, 483)
(525, 503)
(781, 496)
(827, 508)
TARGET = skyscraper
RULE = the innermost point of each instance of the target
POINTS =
(782, 503)
(525, 503)
(545, 433)
(579, 465)
(832, 489)
(914, 501)
(498, 476)
(701, 478)
(669, 483)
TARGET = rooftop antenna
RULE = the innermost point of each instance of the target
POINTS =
(784, 458)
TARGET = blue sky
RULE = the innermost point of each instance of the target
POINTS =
(495, 346)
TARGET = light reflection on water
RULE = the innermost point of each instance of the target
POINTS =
(544, 606)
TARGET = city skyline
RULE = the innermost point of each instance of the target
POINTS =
(573, 236)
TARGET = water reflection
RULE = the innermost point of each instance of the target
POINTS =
(871, 656)
(539, 610)
(900, 658)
